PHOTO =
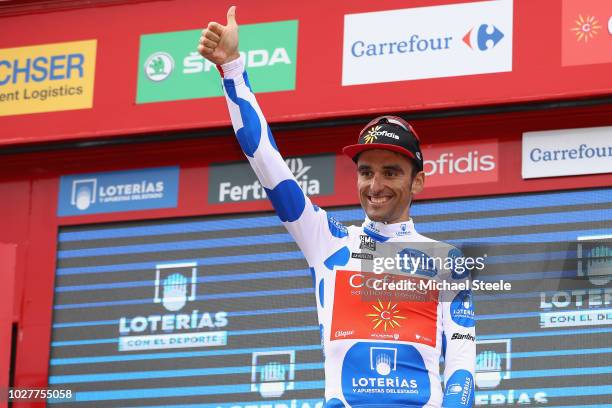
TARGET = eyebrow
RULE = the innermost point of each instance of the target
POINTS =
(393, 167)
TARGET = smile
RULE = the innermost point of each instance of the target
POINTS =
(379, 200)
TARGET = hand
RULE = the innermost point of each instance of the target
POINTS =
(219, 43)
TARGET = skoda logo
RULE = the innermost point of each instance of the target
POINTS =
(159, 66)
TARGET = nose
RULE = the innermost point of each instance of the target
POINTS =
(376, 185)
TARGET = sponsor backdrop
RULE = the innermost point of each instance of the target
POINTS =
(47, 77)
(170, 68)
(427, 42)
(586, 32)
(236, 182)
(430, 55)
(567, 152)
(220, 311)
(114, 191)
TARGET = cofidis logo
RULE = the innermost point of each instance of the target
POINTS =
(118, 191)
(586, 32)
(47, 78)
(427, 42)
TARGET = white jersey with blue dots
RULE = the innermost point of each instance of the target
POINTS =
(378, 353)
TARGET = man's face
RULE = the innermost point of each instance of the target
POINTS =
(386, 184)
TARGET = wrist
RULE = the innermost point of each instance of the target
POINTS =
(233, 68)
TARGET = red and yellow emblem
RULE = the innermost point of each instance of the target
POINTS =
(386, 315)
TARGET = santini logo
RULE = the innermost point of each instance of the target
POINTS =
(459, 336)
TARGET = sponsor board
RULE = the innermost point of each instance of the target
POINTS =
(170, 68)
(449, 164)
(354, 317)
(567, 152)
(428, 42)
(175, 287)
(583, 307)
(236, 182)
(294, 403)
(128, 190)
(493, 367)
(586, 32)
(47, 77)
(273, 373)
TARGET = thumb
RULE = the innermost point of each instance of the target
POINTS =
(231, 16)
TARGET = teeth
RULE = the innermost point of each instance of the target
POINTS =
(379, 200)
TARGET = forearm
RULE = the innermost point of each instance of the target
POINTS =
(307, 225)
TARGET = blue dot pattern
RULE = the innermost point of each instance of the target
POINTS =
(321, 293)
(313, 276)
(288, 200)
(375, 236)
(339, 258)
(249, 135)
(334, 403)
(336, 228)
(271, 139)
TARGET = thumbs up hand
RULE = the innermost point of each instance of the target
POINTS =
(219, 43)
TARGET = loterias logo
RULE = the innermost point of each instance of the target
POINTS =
(118, 191)
(236, 182)
(170, 68)
(493, 366)
(47, 77)
(175, 285)
(583, 306)
(428, 42)
(586, 32)
(395, 372)
(273, 373)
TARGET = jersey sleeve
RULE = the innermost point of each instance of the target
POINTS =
(311, 227)
(459, 332)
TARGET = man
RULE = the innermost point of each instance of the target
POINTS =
(377, 353)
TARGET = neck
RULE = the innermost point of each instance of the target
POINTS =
(402, 228)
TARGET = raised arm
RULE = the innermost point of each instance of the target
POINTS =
(313, 230)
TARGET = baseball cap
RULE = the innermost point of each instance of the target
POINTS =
(388, 133)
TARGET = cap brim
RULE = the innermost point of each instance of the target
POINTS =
(353, 150)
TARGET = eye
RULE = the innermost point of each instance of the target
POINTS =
(365, 173)
(390, 173)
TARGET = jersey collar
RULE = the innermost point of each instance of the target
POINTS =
(383, 232)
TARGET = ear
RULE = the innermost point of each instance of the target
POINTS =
(418, 182)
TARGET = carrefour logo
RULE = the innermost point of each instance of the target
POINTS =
(428, 42)
(484, 38)
(118, 191)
